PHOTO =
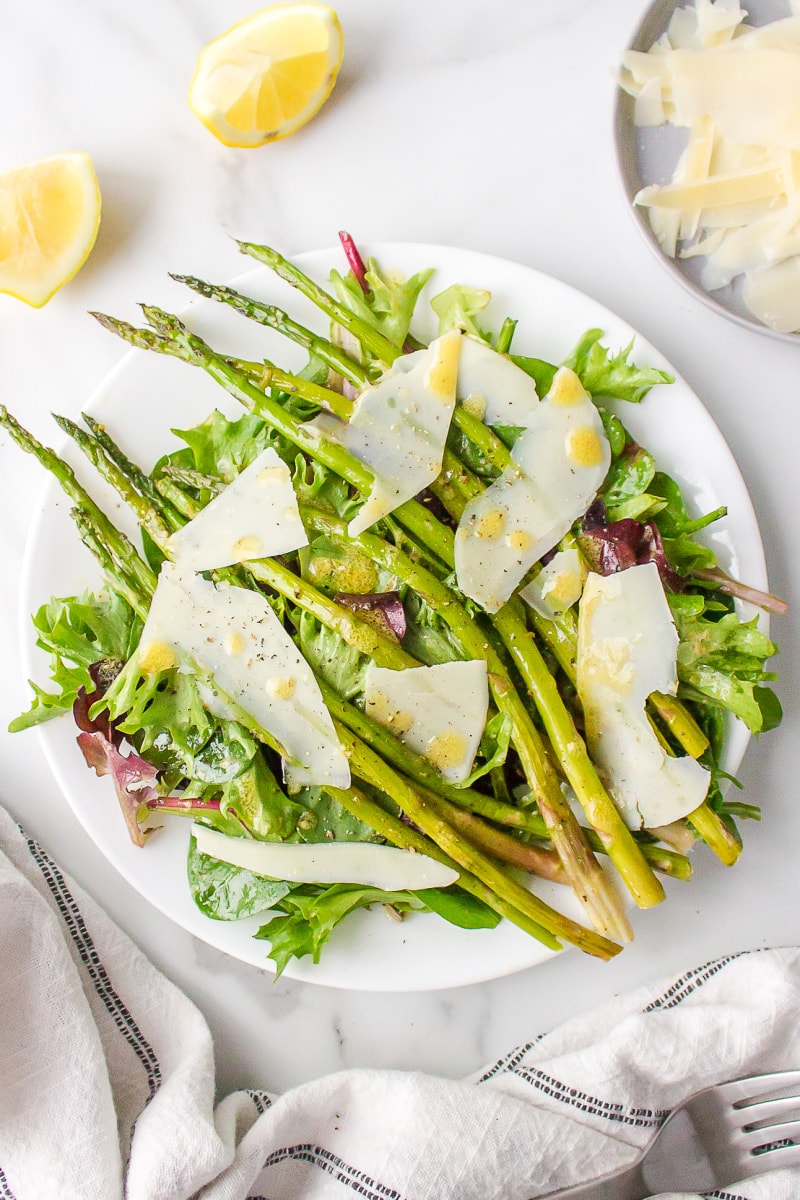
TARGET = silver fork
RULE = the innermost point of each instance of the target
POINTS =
(714, 1138)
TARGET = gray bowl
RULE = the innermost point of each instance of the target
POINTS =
(650, 154)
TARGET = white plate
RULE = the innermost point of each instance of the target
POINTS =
(147, 393)
(650, 154)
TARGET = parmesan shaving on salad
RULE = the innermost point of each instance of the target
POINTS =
(734, 198)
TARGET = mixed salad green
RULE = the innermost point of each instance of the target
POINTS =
(177, 743)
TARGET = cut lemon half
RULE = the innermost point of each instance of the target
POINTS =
(269, 74)
(49, 217)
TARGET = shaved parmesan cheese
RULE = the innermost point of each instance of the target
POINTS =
(774, 295)
(255, 516)
(399, 427)
(627, 646)
(759, 184)
(561, 460)
(558, 585)
(494, 387)
(438, 711)
(234, 635)
(649, 108)
(738, 89)
(366, 863)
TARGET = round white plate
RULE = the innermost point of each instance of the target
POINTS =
(650, 155)
(147, 394)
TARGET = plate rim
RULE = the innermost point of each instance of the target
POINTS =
(424, 253)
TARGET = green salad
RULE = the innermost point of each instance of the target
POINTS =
(420, 624)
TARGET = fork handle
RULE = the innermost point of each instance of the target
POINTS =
(628, 1184)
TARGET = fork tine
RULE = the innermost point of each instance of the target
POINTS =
(743, 1092)
(767, 1134)
(772, 1160)
(765, 1110)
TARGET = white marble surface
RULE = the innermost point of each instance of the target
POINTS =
(487, 126)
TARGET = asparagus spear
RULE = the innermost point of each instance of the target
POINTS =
(560, 635)
(267, 314)
(407, 837)
(275, 318)
(367, 765)
(417, 768)
(118, 544)
(615, 836)
(455, 845)
(116, 573)
(584, 872)
(602, 813)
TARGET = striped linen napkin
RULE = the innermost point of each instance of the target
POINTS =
(107, 1079)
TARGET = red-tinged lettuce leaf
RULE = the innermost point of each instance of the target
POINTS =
(102, 675)
(626, 543)
(385, 608)
(134, 779)
(354, 260)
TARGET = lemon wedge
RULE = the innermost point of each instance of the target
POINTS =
(269, 74)
(49, 216)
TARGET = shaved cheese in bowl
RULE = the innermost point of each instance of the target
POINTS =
(734, 196)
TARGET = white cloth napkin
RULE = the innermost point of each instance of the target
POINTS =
(107, 1079)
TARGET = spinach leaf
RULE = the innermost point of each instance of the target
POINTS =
(324, 819)
(227, 893)
(542, 373)
(459, 908)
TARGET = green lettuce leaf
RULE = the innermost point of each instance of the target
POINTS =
(492, 750)
(390, 305)
(165, 717)
(330, 656)
(721, 663)
(316, 485)
(427, 637)
(605, 374)
(458, 306)
(629, 475)
(223, 448)
(257, 801)
(311, 915)
(78, 631)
